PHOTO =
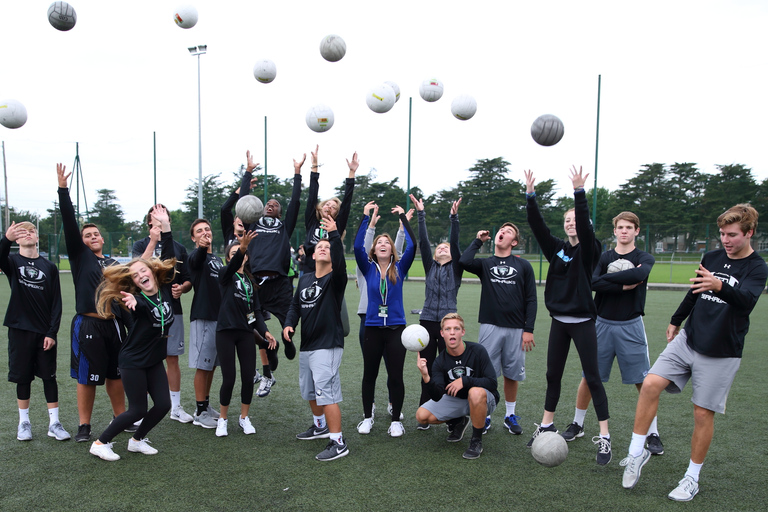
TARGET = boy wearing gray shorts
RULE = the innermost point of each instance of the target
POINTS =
(462, 386)
(317, 303)
(708, 350)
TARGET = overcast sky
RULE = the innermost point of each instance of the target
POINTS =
(682, 81)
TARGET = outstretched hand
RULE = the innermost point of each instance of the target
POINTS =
(249, 165)
(419, 204)
(297, 165)
(421, 364)
(328, 223)
(60, 169)
(129, 301)
(314, 157)
(578, 177)
(529, 181)
(353, 165)
(245, 239)
(455, 207)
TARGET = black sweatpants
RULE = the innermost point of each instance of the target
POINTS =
(435, 347)
(585, 339)
(229, 342)
(380, 341)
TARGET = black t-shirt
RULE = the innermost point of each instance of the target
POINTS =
(718, 322)
(204, 268)
(182, 265)
(311, 222)
(146, 344)
(239, 298)
(317, 303)
(473, 366)
(508, 294)
(35, 302)
(611, 300)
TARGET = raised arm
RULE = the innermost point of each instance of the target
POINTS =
(547, 242)
(468, 260)
(426, 251)
(349, 188)
(292, 214)
(72, 238)
(310, 215)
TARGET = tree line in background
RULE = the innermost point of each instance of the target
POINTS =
(675, 202)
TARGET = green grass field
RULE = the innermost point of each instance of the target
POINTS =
(272, 470)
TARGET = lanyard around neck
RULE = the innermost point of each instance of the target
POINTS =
(159, 308)
(245, 288)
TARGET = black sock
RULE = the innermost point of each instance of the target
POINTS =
(266, 371)
(477, 433)
(207, 401)
(201, 406)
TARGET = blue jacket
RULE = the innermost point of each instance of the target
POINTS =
(395, 311)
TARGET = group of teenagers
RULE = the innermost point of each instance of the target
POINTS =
(129, 321)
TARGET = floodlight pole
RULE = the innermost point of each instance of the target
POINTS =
(597, 140)
(408, 192)
(154, 159)
(266, 185)
(197, 51)
(5, 177)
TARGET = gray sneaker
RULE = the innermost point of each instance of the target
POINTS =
(314, 432)
(333, 450)
(213, 412)
(266, 386)
(57, 431)
(632, 467)
(685, 490)
(457, 432)
(25, 431)
(205, 420)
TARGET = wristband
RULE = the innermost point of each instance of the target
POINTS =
(530, 194)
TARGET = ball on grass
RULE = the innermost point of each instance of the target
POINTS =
(549, 449)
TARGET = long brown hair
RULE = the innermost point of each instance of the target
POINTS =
(119, 278)
(319, 207)
(392, 272)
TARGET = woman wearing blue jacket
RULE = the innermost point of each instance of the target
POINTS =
(384, 271)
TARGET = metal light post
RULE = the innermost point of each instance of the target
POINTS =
(197, 51)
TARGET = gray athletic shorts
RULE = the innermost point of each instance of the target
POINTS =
(202, 345)
(625, 341)
(505, 347)
(450, 407)
(319, 377)
(711, 377)
(175, 345)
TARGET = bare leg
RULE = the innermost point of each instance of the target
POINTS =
(202, 384)
(116, 395)
(333, 417)
(510, 390)
(648, 402)
(174, 373)
(85, 398)
(703, 430)
(478, 405)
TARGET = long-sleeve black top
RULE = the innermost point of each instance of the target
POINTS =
(473, 367)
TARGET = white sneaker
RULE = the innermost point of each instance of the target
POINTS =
(245, 424)
(221, 427)
(685, 490)
(373, 410)
(24, 432)
(396, 429)
(141, 446)
(389, 411)
(632, 468)
(364, 427)
(179, 414)
(104, 451)
(256, 377)
(57, 431)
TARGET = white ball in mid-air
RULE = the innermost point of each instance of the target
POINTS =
(320, 118)
(381, 98)
(431, 89)
(333, 48)
(619, 265)
(547, 130)
(549, 449)
(12, 114)
(395, 88)
(415, 338)
(464, 107)
(265, 71)
(185, 16)
(249, 209)
(62, 16)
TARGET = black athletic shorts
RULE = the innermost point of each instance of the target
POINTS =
(95, 347)
(26, 357)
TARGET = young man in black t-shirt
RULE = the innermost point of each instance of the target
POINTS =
(708, 351)
(33, 317)
(463, 383)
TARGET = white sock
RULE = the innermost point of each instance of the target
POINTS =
(654, 428)
(53, 415)
(320, 421)
(23, 415)
(175, 399)
(693, 470)
(336, 436)
(510, 407)
(606, 436)
(547, 425)
(579, 415)
(637, 445)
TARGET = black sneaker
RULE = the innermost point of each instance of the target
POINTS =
(539, 430)
(333, 450)
(475, 448)
(653, 442)
(290, 349)
(314, 432)
(604, 454)
(573, 431)
(457, 433)
(83, 433)
(511, 422)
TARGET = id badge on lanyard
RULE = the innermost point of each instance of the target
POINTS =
(383, 311)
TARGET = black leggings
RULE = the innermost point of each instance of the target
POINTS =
(383, 341)
(137, 383)
(50, 389)
(585, 340)
(228, 342)
(436, 346)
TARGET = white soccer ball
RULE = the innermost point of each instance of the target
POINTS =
(549, 449)
(431, 89)
(333, 48)
(463, 107)
(12, 114)
(265, 71)
(395, 88)
(619, 265)
(415, 338)
(320, 118)
(185, 16)
(62, 16)
(249, 209)
(547, 130)
(381, 98)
